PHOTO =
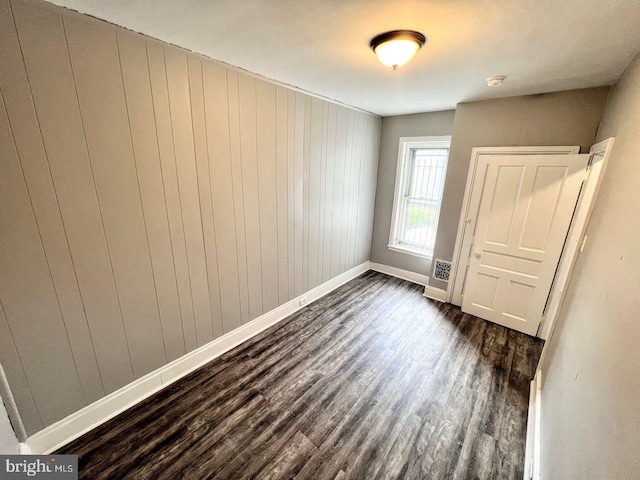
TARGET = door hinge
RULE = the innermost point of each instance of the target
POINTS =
(587, 169)
(583, 243)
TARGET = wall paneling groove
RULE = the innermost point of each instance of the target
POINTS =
(152, 200)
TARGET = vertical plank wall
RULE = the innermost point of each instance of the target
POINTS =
(151, 201)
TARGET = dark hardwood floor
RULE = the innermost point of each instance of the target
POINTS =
(371, 381)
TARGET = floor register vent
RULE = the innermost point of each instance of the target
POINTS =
(441, 270)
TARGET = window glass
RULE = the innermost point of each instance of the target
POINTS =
(418, 196)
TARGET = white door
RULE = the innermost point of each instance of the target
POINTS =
(526, 206)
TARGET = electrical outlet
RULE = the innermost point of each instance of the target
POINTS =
(302, 301)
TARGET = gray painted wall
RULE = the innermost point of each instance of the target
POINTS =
(418, 125)
(562, 118)
(590, 415)
(152, 200)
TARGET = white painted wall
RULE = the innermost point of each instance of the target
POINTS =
(590, 417)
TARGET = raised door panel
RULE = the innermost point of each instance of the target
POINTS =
(519, 299)
(542, 207)
(502, 206)
(524, 215)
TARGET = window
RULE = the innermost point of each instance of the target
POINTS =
(422, 166)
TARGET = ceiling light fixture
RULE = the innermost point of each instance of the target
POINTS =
(496, 81)
(397, 47)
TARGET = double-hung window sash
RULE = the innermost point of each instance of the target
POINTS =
(424, 173)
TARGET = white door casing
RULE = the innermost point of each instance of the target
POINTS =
(526, 205)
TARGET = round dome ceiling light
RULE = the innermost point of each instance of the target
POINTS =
(397, 47)
(495, 81)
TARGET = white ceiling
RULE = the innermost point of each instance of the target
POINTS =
(322, 46)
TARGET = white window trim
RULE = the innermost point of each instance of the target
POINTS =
(406, 144)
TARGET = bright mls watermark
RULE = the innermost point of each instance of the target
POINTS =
(53, 467)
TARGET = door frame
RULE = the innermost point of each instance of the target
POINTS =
(600, 153)
(468, 210)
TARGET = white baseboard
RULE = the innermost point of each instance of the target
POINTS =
(532, 449)
(435, 293)
(400, 273)
(62, 432)
(429, 292)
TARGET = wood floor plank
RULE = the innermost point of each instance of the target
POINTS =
(371, 381)
(397, 460)
(290, 460)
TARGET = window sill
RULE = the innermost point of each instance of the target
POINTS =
(409, 251)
